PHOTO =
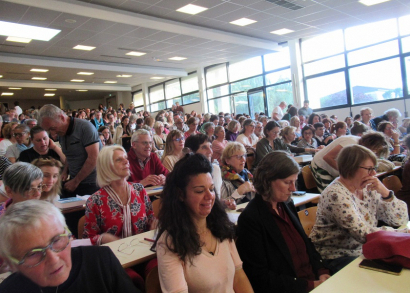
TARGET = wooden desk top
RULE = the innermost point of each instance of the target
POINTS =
(154, 190)
(388, 172)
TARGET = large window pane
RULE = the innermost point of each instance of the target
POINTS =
(156, 93)
(278, 76)
(216, 75)
(376, 82)
(372, 33)
(218, 91)
(256, 103)
(322, 46)
(373, 53)
(407, 62)
(247, 84)
(173, 101)
(192, 98)
(220, 105)
(405, 44)
(158, 106)
(278, 93)
(327, 91)
(172, 89)
(324, 65)
(138, 99)
(404, 25)
(240, 102)
(246, 68)
(276, 60)
(190, 83)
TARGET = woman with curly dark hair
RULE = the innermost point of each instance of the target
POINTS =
(195, 236)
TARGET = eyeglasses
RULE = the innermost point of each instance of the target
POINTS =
(33, 190)
(240, 156)
(179, 139)
(123, 248)
(145, 143)
(35, 256)
(19, 134)
(370, 170)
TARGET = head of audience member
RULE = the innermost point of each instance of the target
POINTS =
(357, 117)
(8, 130)
(149, 121)
(248, 127)
(392, 114)
(241, 119)
(295, 122)
(327, 123)
(22, 134)
(23, 181)
(358, 128)
(54, 120)
(302, 120)
(125, 121)
(221, 120)
(282, 105)
(387, 128)
(293, 111)
(334, 117)
(234, 156)
(275, 177)
(377, 143)
(21, 117)
(319, 129)
(308, 132)
(271, 130)
(258, 129)
(214, 119)
(406, 141)
(339, 128)
(288, 134)
(314, 118)
(306, 104)
(192, 124)
(174, 143)
(112, 165)
(159, 127)
(12, 114)
(141, 143)
(228, 119)
(51, 169)
(349, 121)
(234, 126)
(283, 123)
(209, 129)
(264, 120)
(179, 124)
(200, 144)
(98, 115)
(111, 119)
(105, 131)
(207, 116)
(219, 133)
(40, 140)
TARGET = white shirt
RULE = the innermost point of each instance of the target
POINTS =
(278, 110)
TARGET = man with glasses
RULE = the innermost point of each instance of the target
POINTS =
(145, 166)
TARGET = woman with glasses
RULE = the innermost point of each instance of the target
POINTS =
(247, 136)
(236, 179)
(8, 137)
(44, 260)
(106, 133)
(192, 127)
(51, 169)
(173, 149)
(307, 140)
(351, 206)
(22, 135)
(392, 135)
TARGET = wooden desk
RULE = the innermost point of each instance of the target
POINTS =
(381, 174)
(154, 190)
(352, 278)
(73, 209)
(136, 254)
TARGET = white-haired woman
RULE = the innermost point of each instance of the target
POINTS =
(159, 137)
(43, 258)
(119, 209)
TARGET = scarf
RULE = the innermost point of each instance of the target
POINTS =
(98, 124)
(22, 147)
(237, 179)
(126, 212)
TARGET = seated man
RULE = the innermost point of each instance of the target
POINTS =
(320, 136)
(43, 147)
(145, 166)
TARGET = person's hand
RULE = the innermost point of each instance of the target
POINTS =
(373, 183)
(71, 185)
(51, 144)
(107, 237)
(324, 277)
(151, 180)
(246, 187)
(395, 136)
(321, 147)
(230, 203)
(64, 175)
(162, 178)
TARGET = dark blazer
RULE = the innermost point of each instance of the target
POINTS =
(266, 259)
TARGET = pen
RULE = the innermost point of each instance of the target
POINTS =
(149, 239)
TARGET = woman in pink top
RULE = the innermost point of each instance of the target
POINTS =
(219, 144)
(192, 125)
(195, 247)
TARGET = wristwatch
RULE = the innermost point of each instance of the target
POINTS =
(391, 194)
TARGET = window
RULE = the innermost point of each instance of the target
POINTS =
(322, 46)
(220, 105)
(278, 93)
(190, 83)
(324, 65)
(218, 91)
(247, 84)
(156, 93)
(216, 75)
(373, 53)
(246, 68)
(158, 106)
(172, 89)
(404, 25)
(191, 98)
(276, 60)
(138, 98)
(278, 76)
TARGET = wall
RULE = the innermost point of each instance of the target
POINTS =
(27, 103)
(91, 104)
(124, 98)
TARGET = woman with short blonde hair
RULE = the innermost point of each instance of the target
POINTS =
(173, 149)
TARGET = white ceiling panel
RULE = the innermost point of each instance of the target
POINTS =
(134, 6)
(220, 9)
(11, 11)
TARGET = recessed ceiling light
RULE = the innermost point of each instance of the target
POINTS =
(372, 2)
(134, 53)
(49, 95)
(124, 75)
(243, 21)
(110, 81)
(77, 80)
(81, 90)
(70, 21)
(192, 9)
(7, 94)
(1, 76)
(27, 31)
(50, 89)
(39, 78)
(86, 48)
(85, 73)
(157, 77)
(18, 40)
(38, 70)
(176, 58)
(282, 31)
(14, 88)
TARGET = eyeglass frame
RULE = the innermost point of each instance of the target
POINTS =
(239, 156)
(145, 143)
(39, 188)
(179, 139)
(369, 170)
(19, 134)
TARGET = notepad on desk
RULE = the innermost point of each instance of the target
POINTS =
(69, 202)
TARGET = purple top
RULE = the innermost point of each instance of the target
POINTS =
(230, 136)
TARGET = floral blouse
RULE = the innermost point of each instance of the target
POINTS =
(343, 220)
(103, 215)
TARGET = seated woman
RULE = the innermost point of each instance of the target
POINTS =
(105, 131)
(247, 136)
(192, 126)
(236, 179)
(159, 137)
(8, 137)
(392, 136)
(277, 255)
(173, 149)
(119, 209)
(195, 247)
(209, 130)
(233, 128)
(22, 135)
(295, 122)
(339, 129)
(404, 192)
(44, 261)
(349, 124)
(51, 169)
(351, 206)
(122, 130)
(307, 140)
(314, 118)
(219, 144)
(43, 147)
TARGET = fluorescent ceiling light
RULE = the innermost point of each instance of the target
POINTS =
(7, 94)
(157, 77)
(77, 80)
(18, 40)
(110, 81)
(86, 48)
(50, 89)
(49, 95)
(85, 73)
(39, 78)
(81, 90)
(243, 21)
(372, 2)
(176, 58)
(192, 9)
(1, 76)
(38, 70)
(27, 31)
(124, 75)
(14, 88)
(134, 53)
(282, 31)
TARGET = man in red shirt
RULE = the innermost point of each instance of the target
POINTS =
(145, 166)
